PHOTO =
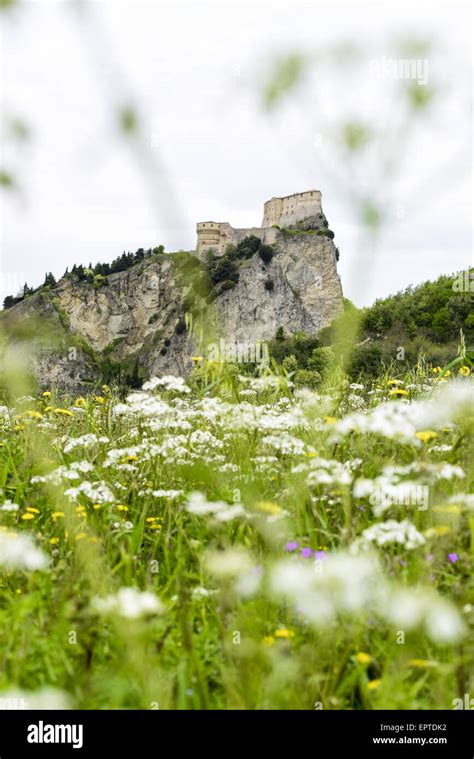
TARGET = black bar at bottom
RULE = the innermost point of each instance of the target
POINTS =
(139, 733)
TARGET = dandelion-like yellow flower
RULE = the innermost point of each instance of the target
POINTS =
(33, 414)
(373, 684)
(464, 371)
(122, 507)
(28, 516)
(80, 402)
(268, 507)
(54, 541)
(283, 632)
(63, 412)
(268, 640)
(426, 435)
(196, 359)
(47, 394)
(32, 510)
(330, 419)
(57, 515)
(395, 382)
(363, 658)
(99, 399)
(398, 391)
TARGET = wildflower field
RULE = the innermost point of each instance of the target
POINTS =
(233, 542)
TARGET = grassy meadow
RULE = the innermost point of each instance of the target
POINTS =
(236, 542)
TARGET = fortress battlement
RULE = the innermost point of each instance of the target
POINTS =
(277, 212)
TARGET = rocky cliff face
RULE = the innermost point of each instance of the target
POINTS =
(306, 292)
(133, 326)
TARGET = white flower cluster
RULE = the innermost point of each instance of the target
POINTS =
(96, 492)
(401, 420)
(403, 533)
(168, 382)
(353, 584)
(326, 472)
(84, 441)
(220, 510)
(285, 443)
(129, 603)
(18, 551)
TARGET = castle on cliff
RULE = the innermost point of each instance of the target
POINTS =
(277, 212)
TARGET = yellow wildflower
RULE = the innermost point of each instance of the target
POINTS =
(122, 507)
(33, 414)
(196, 358)
(330, 420)
(464, 371)
(80, 402)
(27, 516)
(105, 389)
(269, 507)
(57, 515)
(373, 684)
(395, 382)
(63, 411)
(99, 399)
(363, 658)
(426, 435)
(54, 541)
(81, 536)
(283, 632)
(97, 506)
(268, 640)
(32, 510)
(46, 394)
(398, 391)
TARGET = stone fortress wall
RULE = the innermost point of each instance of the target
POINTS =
(292, 208)
(277, 211)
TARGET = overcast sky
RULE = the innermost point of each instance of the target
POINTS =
(195, 72)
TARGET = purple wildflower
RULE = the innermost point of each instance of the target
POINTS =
(291, 546)
(306, 553)
(320, 555)
(453, 557)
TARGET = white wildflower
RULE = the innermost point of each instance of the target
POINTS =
(18, 551)
(404, 533)
(129, 603)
